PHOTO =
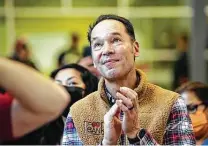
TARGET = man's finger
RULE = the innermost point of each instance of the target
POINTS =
(111, 113)
(126, 101)
(123, 108)
(128, 92)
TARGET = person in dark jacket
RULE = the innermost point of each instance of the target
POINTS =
(181, 66)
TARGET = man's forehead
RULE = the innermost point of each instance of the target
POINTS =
(107, 27)
(105, 35)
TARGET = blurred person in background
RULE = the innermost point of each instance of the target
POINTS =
(78, 82)
(181, 67)
(29, 100)
(87, 62)
(71, 54)
(86, 51)
(195, 95)
(22, 53)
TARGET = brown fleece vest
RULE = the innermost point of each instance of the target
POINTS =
(154, 105)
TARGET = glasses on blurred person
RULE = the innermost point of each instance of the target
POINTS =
(192, 108)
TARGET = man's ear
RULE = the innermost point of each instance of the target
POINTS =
(94, 65)
(136, 49)
(93, 61)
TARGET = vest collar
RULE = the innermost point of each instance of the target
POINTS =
(140, 89)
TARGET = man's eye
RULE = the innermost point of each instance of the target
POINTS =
(97, 45)
(116, 40)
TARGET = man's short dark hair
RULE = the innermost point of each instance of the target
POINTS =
(129, 27)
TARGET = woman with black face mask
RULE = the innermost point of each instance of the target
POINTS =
(195, 95)
(78, 82)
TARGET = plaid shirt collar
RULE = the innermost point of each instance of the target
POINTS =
(110, 98)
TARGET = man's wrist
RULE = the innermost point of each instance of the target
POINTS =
(133, 134)
(106, 142)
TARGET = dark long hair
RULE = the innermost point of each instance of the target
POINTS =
(90, 81)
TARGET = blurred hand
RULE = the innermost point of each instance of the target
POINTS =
(130, 124)
(112, 125)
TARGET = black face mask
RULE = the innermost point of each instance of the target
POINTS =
(2, 90)
(76, 94)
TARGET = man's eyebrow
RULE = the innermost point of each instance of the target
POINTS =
(114, 33)
(94, 38)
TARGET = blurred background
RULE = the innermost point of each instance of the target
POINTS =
(38, 31)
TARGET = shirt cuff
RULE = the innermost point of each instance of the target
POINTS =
(145, 138)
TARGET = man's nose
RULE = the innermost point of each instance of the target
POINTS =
(108, 49)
